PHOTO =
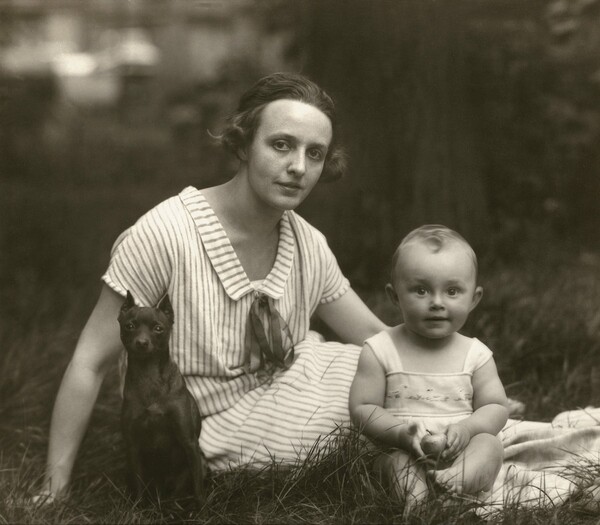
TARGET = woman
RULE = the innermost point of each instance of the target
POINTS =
(245, 274)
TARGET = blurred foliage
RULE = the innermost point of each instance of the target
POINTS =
(572, 109)
(536, 85)
(529, 93)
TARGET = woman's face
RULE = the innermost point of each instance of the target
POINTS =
(286, 156)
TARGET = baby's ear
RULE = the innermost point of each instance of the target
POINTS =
(477, 295)
(392, 295)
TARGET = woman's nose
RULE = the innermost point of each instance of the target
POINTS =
(297, 162)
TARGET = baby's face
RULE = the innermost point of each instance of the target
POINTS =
(436, 291)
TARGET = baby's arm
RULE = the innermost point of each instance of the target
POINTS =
(366, 408)
(490, 411)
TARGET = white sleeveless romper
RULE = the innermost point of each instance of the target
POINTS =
(437, 398)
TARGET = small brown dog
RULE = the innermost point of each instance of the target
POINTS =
(159, 417)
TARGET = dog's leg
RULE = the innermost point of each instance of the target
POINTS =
(185, 431)
(197, 465)
(136, 473)
(199, 470)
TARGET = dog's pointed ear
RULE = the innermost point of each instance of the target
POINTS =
(164, 306)
(128, 304)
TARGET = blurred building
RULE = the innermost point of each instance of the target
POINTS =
(106, 88)
(105, 52)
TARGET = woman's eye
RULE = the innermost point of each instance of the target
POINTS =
(315, 154)
(281, 145)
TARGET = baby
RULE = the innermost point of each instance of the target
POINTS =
(422, 377)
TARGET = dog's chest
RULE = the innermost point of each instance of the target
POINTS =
(147, 407)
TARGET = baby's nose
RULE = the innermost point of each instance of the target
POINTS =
(436, 302)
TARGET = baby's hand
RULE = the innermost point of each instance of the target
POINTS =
(458, 439)
(416, 432)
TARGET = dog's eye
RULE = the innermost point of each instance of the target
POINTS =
(129, 326)
(158, 329)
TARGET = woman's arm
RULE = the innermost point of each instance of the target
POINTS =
(366, 408)
(98, 347)
(350, 318)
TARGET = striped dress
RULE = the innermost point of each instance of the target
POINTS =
(180, 247)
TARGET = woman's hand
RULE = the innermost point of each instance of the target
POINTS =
(458, 438)
(43, 498)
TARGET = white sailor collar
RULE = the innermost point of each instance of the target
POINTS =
(223, 257)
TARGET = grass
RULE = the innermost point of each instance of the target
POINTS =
(540, 316)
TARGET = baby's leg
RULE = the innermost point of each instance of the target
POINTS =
(476, 467)
(404, 475)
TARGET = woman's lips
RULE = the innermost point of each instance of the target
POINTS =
(290, 186)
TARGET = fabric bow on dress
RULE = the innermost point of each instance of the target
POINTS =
(264, 352)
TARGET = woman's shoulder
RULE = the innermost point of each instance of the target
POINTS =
(304, 230)
(300, 223)
(166, 220)
(170, 210)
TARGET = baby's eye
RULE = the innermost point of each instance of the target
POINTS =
(420, 290)
(452, 292)
(281, 145)
(315, 154)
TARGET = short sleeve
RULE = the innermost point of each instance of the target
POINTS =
(141, 259)
(478, 355)
(335, 284)
(382, 346)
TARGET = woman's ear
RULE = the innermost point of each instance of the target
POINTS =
(391, 293)
(477, 295)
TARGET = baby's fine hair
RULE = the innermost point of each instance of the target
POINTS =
(436, 237)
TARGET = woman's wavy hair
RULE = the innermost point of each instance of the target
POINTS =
(241, 126)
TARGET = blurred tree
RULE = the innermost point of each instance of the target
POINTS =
(572, 110)
(398, 71)
(479, 114)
